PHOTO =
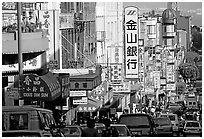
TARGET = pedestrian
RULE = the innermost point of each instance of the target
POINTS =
(90, 130)
(109, 131)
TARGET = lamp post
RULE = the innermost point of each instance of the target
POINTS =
(20, 56)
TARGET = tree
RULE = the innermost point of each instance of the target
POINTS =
(196, 39)
(189, 70)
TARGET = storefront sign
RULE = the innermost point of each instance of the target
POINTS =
(12, 93)
(78, 94)
(35, 63)
(121, 88)
(82, 100)
(65, 84)
(116, 72)
(171, 87)
(131, 42)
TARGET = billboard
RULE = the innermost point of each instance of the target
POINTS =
(131, 42)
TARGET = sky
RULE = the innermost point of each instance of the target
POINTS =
(194, 9)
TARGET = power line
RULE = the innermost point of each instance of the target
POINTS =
(70, 53)
(78, 50)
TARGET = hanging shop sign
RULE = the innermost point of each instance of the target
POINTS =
(44, 87)
(131, 42)
(78, 93)
(80, 100)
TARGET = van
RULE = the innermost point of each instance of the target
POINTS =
(139, 124)
(174, 121)
(28, 118)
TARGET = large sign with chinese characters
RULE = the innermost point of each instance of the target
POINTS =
(49, 20)
(131, 42)
(35, 63)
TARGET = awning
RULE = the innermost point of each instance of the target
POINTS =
(91, 106)
(44, 87)
(111, 104)
(10, 49)
(13, 58)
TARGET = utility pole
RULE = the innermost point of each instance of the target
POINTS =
(20, 56)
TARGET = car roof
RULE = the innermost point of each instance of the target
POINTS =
(191, 121)
(24, 108)
(117, 125)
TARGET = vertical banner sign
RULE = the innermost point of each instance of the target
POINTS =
(131, 42)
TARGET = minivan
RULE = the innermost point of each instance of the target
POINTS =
(28, 118)
(139, 124)
(174, 121)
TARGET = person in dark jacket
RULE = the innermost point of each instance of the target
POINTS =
(90, 130)
(109, 131)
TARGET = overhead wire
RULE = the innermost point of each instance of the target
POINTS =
(78, 50)
(70, 53)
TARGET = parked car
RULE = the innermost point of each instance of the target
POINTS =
(98, 126)
(25, 133)
(72, 131)
(163, 126)
(122, 130)
(139, 124)
(174, 121)
(29, 118)
(192, 128)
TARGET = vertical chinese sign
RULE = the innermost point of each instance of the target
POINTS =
(131, 42)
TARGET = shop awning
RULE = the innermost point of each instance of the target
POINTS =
(13, 57)
(112, 103)
(10, 49)
(44, 87)
(91, 106)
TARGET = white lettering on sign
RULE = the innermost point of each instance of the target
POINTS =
(44, 94)
(131, 42)
(36, 94)
(27, 94)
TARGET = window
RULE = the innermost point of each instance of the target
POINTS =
(151, 29)
(76, 85)
(18, 121)
(84, 85)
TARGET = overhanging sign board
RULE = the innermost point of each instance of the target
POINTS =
(131, 42)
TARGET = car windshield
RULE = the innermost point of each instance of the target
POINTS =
(71, 130)
(192, 124)
(136, 121)
(162, 121)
